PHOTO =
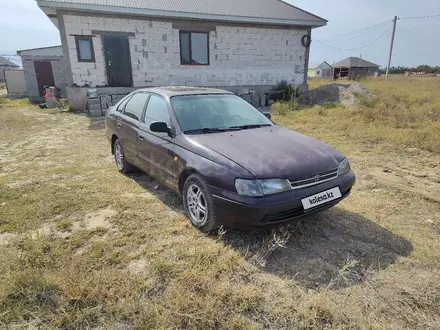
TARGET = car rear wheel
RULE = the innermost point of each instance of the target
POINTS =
(122, 165)
(198, 203)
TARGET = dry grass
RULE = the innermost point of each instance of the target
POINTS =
(82, 246)
(404, 111)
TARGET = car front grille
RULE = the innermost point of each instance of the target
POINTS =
(314, 179)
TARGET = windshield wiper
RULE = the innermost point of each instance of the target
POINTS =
(209, 130)
(250, 126)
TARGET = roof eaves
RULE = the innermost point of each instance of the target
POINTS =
(25, 50)
(174, 14)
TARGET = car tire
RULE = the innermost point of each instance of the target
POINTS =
(122, 165)
(198, 203)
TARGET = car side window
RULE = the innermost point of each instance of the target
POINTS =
(122, 105)
(157, 110)
(135, 106)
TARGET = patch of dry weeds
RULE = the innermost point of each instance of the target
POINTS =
(83, 246)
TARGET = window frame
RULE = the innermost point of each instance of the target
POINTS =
(140, 120)
(120, 107)
(189, 32)
(144, 116)
(78, 53)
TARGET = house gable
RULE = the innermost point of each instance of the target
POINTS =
(324, 66)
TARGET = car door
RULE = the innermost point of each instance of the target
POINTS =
(128, 125)
(156, 149)
(113, 118)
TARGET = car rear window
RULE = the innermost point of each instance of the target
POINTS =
(135, 106)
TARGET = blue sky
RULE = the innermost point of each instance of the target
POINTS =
(23, 26)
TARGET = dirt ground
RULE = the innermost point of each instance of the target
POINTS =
(82, 246)
(346, 94)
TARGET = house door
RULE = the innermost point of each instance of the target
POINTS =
(43, 70)
(118, 64)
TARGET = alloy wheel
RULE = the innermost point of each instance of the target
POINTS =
(197, 205)
(119, 157)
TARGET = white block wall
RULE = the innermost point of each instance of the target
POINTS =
(238, 55)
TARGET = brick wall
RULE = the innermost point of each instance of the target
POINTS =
(239, 56)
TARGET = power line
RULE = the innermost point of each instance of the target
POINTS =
(381, 36)
(420, 17)
(351, 49)
(360, 30)
(380, 27)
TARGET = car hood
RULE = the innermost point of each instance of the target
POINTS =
(273, 152)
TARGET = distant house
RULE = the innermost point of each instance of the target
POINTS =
(320, 70)
(44, 66)
(118, 46)
(354, 68)
(6, 64)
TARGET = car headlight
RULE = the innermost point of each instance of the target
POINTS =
(258, 188)
(344, 167)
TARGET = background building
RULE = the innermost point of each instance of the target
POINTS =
(354, 68)
(320, 70)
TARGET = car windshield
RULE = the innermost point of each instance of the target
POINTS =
(214, 113)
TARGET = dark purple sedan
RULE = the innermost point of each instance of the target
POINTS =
(229, 162)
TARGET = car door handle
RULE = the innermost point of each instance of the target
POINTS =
(141, 138)
(118, 125)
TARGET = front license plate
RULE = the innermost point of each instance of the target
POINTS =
(321, 198)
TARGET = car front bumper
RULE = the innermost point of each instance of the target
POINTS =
(234, 210)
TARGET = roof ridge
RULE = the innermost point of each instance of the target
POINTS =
(353, 61)
(304, 11)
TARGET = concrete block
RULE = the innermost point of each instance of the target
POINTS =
(95, 113)
(94, 107)
(77, 98)
(94, 101)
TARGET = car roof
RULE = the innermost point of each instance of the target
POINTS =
(183, 90)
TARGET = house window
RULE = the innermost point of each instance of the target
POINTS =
(84, 49)
(318, 72)
(194, 48)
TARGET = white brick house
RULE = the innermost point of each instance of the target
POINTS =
(138, 43)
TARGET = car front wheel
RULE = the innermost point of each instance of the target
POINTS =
(198, 203)
(122, 165)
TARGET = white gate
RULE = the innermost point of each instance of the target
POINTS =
(15, 83)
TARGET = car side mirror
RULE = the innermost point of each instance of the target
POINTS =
(268, 115)
(160, 127)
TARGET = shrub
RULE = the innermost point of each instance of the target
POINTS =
(330, 105)
(291, 92)
(367, 101)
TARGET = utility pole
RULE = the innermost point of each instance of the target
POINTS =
(391, 47)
